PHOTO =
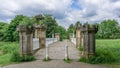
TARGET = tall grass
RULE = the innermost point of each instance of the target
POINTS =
(6, 49)
(10, 53)
(107, 51)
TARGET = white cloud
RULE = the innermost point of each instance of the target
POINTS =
(90, 10)
(97, 10)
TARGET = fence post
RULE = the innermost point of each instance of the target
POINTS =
(47, 52)
(66, 52)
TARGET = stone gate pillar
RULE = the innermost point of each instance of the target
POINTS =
(42, 36)
(57, 35)
(88, 32)
(25, 38)
(37, 31)
(78, 37)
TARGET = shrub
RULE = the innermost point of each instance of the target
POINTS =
(48, 59)
(9, 47)
(67, 60)
(99, 59)
(17, 58)
(61, 39)
(80, 48)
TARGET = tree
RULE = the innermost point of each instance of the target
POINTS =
(38, 19)
(11, 34)
(77, 24)
(71, 29)
(51, 23)
(3, 27)
(62, 31)
(108, 29)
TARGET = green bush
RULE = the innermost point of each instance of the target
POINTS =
(27, 58)
(80, 48)
(48, 59)
(67, 60)
(17, 58)
(61, 39)
(9, 47)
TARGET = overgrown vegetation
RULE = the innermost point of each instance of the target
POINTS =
(17, 58)
(9, 53)
(8, 31)
(107, 51)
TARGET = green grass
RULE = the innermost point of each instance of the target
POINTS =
(107, 52)
(5, 59)
(9, 53)
(6, 49)
(45, 60)
(67, 60)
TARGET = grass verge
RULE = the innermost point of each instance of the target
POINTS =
(9, 53)
(107, 52)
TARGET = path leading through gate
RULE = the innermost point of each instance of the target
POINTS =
(57, 51)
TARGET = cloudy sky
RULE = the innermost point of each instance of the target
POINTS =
(65, 11)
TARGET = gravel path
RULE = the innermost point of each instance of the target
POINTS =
(56, 52)
(53, 64)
